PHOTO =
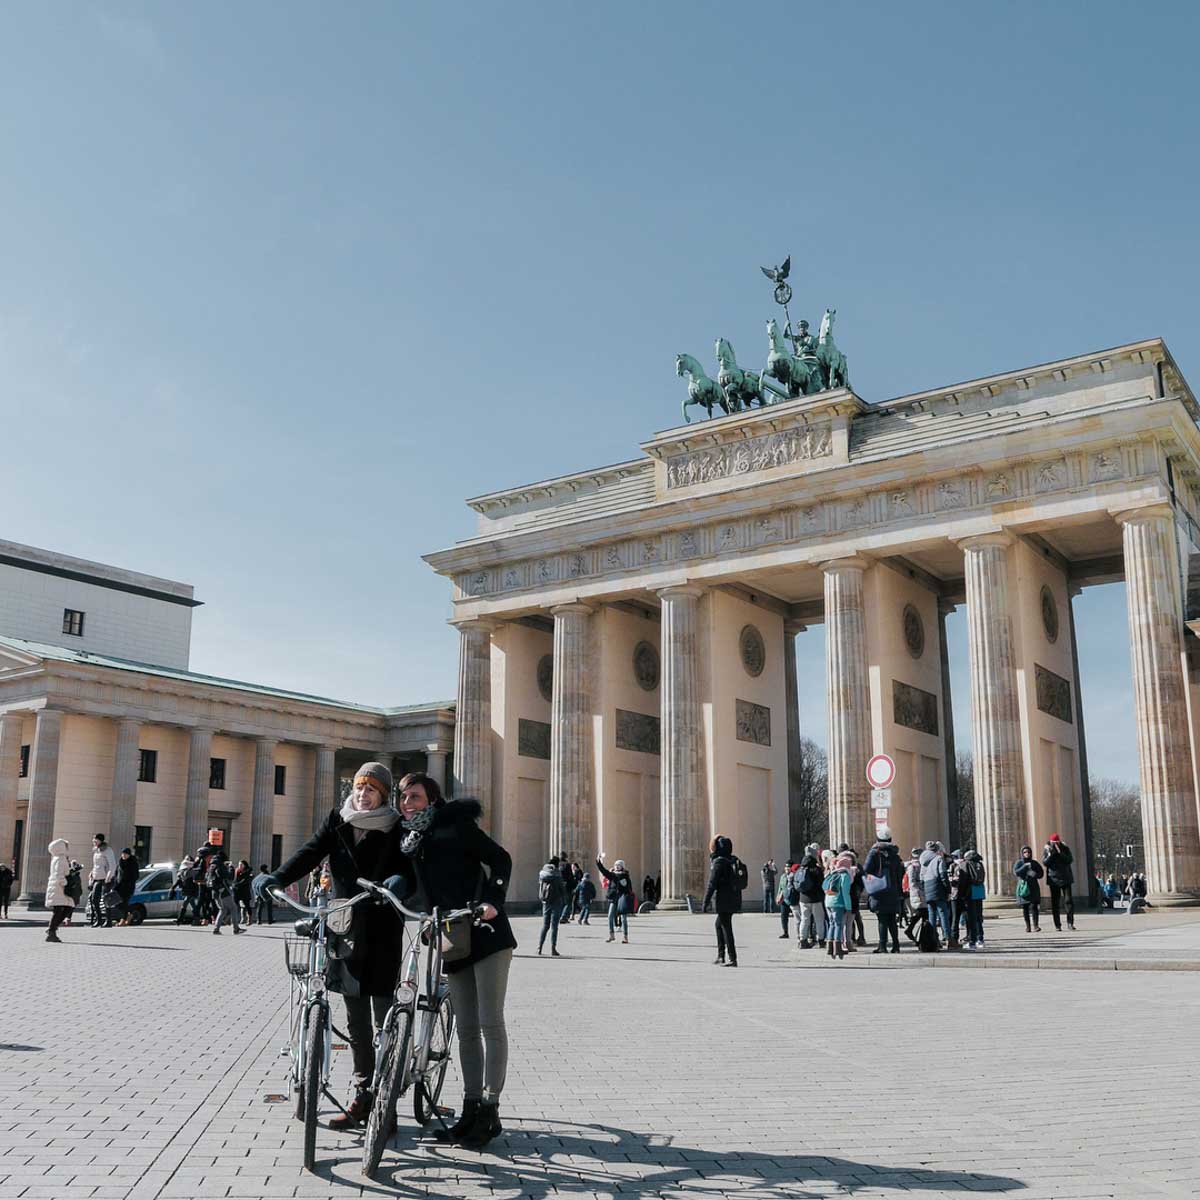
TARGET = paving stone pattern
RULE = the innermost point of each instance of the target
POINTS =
(136, 1062)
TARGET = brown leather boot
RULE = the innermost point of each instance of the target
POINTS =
(356, 1113)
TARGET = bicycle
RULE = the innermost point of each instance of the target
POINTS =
(406, 1056)
(310, 1045)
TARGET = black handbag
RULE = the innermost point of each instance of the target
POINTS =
(342, 933)
(455, 934)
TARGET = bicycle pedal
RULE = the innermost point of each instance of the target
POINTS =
(338, 1046)
(285, 1051)
(274, 1098)
(444, 1110)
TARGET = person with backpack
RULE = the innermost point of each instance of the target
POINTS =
(808, 877)
(836, 889)
(186, 886)
(205, 900)
(127, 876)
(242, 878)
(1028, 871)
(960, 897)
(585, 893)
(857, 934)
(220, 884)
(935, 882)
(977, 874)
(551, 892)
(726, 879)
(619, 895)
(1057, 859)
(264, 906)
(882, 873)
(769, 873)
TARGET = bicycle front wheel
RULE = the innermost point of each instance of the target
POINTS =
(392, 1073)
(314, 1055)
(441, 1038)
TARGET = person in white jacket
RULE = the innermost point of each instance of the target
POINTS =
(57, 900)
(104, 872)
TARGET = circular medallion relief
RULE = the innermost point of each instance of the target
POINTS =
(645, 666)
(914, 631)
(545, 676)
(754, 650)
(1049, 614)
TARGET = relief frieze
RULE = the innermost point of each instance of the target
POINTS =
(638, 731)
(753, 723)
(754, 454)
(1053, 694)
(533, 739)
(914, 708)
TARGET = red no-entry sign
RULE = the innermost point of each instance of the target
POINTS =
(881, 770)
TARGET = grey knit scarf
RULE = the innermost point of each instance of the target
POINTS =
(415, 827)
(365, 820)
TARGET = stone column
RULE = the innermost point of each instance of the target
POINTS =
(43, 794)
(324, 787)
(473, 714)
(572, 803)
(195, 806)
(794, 758)
(684, 806)
(1000, 816)
(262, 813)
(945, 608)
(435, 765)
(125, 781)
(1088, 849)
(849, 704)
(1152, 588)
(10, 780)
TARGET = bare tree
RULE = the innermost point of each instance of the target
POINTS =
(964, 767)
(1116, 826)
(809, 813)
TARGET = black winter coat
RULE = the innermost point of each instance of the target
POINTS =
(378, 930)
(456, 864)
(620, 884)
(884, 859)
(722, 890)
(812, 877)
(1031, 872)
(127, 873)
(1058, 864)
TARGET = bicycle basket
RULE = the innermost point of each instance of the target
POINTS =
(295, 954)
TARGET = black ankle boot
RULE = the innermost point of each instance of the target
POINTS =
(487, 1126)
(470, 1111)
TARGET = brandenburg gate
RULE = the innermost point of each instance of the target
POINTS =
(627, 679)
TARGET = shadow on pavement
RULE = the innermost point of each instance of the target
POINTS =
(554, 1162)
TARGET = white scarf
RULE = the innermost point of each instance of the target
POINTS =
(365, 820)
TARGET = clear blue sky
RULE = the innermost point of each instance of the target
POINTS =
(283, 283)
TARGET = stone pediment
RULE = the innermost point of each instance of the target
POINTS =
(792, 438)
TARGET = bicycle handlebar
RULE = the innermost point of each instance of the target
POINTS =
(448, 915)
(313, 911)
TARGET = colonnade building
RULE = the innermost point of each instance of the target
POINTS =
(103, 727)
(627, 668)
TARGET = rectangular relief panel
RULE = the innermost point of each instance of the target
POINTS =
(1053, 694)
(753, 723)
(638, 731)
(914, 708)
(533, 739)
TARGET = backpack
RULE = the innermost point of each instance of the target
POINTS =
(975, 871)
(927, 938)
(74, 886)
(741, 877)
(218, 877)
(791, 894)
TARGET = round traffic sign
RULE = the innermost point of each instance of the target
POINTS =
(881, 770)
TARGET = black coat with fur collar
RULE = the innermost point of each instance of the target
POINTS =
(378, 929)
(457, 864)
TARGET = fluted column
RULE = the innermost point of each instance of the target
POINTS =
(1152, 589)
(262, 814)
(684, 809)
(849, 703)
(43, 794)
(125, 781)
(794, 758)
(10, 780)
(324, 786)
(944, 609)
(195, 805)
(435, 765)
(1000, 817)
(473, 714)
(572, 806)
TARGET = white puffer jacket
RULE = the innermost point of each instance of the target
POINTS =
(56, 885)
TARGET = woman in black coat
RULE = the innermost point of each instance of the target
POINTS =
(449, 862)
(361, 840)
(1028, 871)
(887, 901)
(619, 895)
(725, 896)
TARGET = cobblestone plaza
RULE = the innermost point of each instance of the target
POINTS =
(138, 1062)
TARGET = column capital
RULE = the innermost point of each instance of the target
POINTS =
(981, 541)
(574, 606)
(266, 743)
(945, 607)
(681, 591)
(792, 626)
(849, 562)
(436, 748)
(486, 625)
(1158, 511)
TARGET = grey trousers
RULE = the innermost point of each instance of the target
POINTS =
(227, 911)
(812, 921)
(477, 993)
